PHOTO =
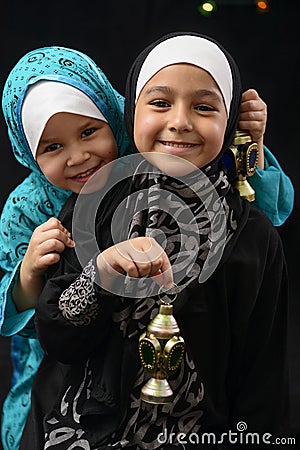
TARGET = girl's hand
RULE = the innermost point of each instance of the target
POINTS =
(137, 257)
(47, 242)
(253, 117)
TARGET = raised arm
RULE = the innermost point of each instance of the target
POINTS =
(274, 192)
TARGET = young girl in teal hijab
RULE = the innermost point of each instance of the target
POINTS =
(36, 199)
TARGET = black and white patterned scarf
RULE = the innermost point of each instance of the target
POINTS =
(193, 249)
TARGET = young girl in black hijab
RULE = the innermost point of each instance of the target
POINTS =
(182, 107)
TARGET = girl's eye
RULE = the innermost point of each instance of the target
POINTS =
(88, 132)
(160, 103)
(204, 108)
(52, 147)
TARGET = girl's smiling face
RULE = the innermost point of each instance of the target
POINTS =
(73, 148)
(180, 111)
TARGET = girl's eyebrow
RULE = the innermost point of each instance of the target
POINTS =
(162, 89)
(86, 123)
(209, 93)
(198, 93)
(47, 141)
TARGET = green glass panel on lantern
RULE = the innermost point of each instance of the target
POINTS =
(175, 357)
(147, 354)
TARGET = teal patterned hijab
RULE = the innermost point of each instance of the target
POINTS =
(36, 199)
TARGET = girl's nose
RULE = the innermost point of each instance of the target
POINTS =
(180, 119)
(77, 156)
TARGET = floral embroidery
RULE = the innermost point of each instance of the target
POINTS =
(78, 303)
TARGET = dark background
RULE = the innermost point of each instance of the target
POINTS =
(266, 47)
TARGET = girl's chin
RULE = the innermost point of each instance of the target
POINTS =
(170, 164)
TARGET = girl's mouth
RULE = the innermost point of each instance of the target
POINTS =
(83, 177)
(177, 147)
(177, 144)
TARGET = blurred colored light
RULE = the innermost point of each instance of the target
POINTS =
(207, 8)
(262, 6)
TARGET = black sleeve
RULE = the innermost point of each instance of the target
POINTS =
(258, 384)
(71, 327)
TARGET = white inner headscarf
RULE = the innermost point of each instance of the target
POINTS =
(192, 50)
(46, 98)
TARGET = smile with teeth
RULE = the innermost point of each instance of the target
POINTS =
(87, 173)
(177, 144)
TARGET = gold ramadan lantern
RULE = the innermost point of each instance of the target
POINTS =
(241, 161)
(161, 349)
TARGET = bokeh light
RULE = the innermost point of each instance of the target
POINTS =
(207, 8)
